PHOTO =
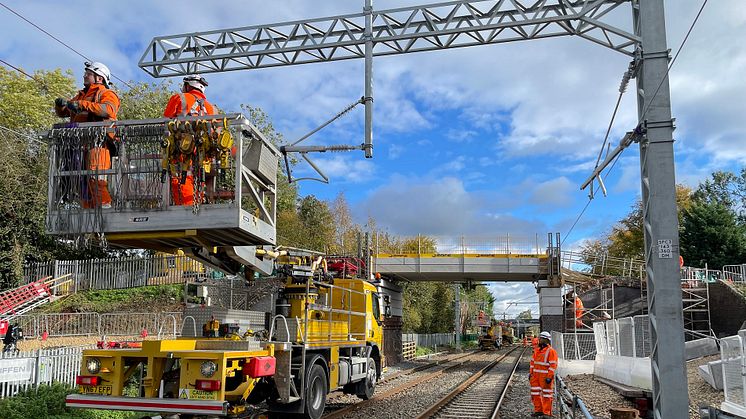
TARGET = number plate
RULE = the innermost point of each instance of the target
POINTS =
(106, 390)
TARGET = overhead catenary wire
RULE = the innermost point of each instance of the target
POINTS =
(22, 135)
(57, 39)
(645, 110)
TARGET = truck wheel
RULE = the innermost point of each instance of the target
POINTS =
(367, 387)
(316, 387)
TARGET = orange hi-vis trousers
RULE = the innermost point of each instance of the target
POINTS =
(543, 367)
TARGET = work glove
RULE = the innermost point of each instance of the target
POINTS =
(60, 102)
(73, 106)
(548, 380)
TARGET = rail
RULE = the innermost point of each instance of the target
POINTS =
(454, 364)
(570, 405)
(458, 402)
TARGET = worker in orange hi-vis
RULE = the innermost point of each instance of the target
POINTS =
(535, 344)
(541, 377)
(191, 101)
(579, 309)
(95, 103)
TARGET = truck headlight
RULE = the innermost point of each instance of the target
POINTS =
(93, 365)
(208, 368)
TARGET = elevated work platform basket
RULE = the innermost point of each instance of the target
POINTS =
(234, 198)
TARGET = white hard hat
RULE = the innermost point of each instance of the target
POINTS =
(99, 69)
(197, 82)
(545, 335)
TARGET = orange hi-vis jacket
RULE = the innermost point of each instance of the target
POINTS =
(192, 103)
(96, 102)
(543, 367)
(579, 309)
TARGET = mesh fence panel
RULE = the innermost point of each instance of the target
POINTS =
(731, 353)
(611, 337)
(128, 324)
(574, 346)
(626, 333)
(642, 336)
(599, 334)
(69, 324)
(558, 343)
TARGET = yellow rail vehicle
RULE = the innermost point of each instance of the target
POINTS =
(326, 336)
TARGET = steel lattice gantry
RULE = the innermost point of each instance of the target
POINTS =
(480, 22)
(395, 31)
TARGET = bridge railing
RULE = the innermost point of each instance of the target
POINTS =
(507, 244)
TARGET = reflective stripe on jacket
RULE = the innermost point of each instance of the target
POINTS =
(544, 362)
(196, 105)
(96, 102)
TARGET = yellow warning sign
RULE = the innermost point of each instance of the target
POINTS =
(185, 393)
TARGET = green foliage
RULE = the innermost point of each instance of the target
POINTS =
(713, 228)
(626, 239)
(151, 298)
(48, 402)
(318, 223)
(27, 105)
(428, 307)
(144, 100)
(712, 235)
(524, 315)
(422, 351)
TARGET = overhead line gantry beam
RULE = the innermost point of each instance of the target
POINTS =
(395, 31)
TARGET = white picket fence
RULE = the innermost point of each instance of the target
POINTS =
(26, 370)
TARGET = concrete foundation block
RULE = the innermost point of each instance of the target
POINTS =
(700, 347)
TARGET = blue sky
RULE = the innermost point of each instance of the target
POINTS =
(478, 141)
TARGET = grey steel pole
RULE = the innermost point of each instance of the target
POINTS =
(457, 314)
(660, 223)
(368, 146)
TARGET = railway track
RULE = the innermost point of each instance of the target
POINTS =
(354, 409)
(482, 394)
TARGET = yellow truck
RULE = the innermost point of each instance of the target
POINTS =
(326, 335)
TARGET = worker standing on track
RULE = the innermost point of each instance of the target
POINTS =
(541, 377)
(535, 344)
(191, 101)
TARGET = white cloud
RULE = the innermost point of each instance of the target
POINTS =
(345, 168)
(553, 193)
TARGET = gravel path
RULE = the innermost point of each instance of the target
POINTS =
(701, 393)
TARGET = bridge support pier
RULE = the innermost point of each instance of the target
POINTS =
(550, 307)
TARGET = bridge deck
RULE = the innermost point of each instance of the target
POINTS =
(462, 267)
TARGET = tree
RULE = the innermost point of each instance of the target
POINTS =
(346, 230)
(26, 106)
(524, 315)
(318, 224)
(626, 239)
(712, 235)
(144, 100)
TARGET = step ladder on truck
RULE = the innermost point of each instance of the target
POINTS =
(324, 330)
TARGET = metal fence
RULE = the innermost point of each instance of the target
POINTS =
(26, 370)
(735, 273)
(629, 336)
(430, 340)
(95, 324)
(574, 346)
(733, 356)
(118, 273)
